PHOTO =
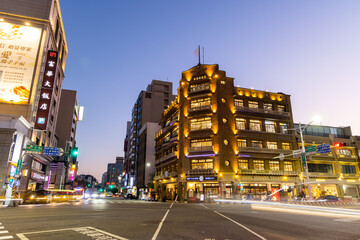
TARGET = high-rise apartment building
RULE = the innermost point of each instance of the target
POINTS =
(220, 140)
(115, 172)
(32, 63)
(147, 108)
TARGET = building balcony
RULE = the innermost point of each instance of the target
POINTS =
(201, 88)
(346, 156)
(200, 108)
(260, 110)
(201, 149)
(263, 150)
(201, 171)
(167, 157)
(350, 175)
(268, 172)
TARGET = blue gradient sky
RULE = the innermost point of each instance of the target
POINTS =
(308, 49)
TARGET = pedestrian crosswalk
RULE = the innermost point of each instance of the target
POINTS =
(106, 201)
(4, 234)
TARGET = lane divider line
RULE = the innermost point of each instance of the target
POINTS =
(249, 230)
(160, 225)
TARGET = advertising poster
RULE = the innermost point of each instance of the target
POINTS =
(18, 51)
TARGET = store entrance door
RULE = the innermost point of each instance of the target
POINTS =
(211, 193)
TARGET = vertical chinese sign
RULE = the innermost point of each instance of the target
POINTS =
(46, 91)
(18, 51)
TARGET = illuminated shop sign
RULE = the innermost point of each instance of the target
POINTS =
(18, 51)
(201, 178)
(37, 176)
(46, 91)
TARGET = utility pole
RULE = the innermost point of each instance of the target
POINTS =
(306, 165)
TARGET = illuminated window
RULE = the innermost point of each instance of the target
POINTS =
(199, 87)
(243, 164)
(346, 152)
(288, 166)
(272, 145)
(222, 82)
(202, 164)
(286, 146)
(240, 123)
(268, 106)
(281, 108)
(241, 142)
(200, 102)
(253, 104)
(223, 100)
(226, 142)
(283, 128)
(255, 125)
(259, 165)
(239, 103)
(201, 142)
(274, 165)
(200, 123)
(270, 126)
(175, 132)
(167, 137)
(256, 143)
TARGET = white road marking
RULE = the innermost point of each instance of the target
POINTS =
(5, 231)
(1, 227)
(346, 219)
(171, 205)
(160, 225)
(204, 206)
(6, 237)
(249, 230)
(89, 231)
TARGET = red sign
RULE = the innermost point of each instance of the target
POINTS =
(47, 86)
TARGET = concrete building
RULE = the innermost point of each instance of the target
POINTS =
(115, 172)
(32, 63)
(217, 140)
(147, 108)
(337, 172)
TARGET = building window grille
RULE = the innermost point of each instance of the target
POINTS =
(259, 165)
(346, 152)
(243, 164)
(200, 123)
(349, 169)
(257, 144)
(270, 126)
(274, 165)
(286, 146)
(202, 164)
(239, 103)
(272, 145)
(288, 166)
(268, 106)
(255, 125)
(200, 102)
(253, 104)
(241, 142)
(240, 123)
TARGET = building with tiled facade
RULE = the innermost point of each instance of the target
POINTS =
(217, 140)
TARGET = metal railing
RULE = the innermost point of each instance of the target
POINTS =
(200, 108)
(268, 172)
(201, 171)
(166, 157)
(260, 110)
(200, 149)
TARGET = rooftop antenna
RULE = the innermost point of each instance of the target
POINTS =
(203, 56)
(199, 53)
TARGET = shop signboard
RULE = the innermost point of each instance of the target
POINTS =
(46, 91)
(37, 176)
(19, 45)
(201, 178)
(34, 149)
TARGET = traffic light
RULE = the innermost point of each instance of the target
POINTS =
(338, 144)
(89, 185)
(111, 186)
(74, 152)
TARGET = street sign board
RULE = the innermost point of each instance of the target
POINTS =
(18, 166)
(323, 148)
(51, 151)
(34, 149)
(303, 159)
(297, 153)
(310, 149)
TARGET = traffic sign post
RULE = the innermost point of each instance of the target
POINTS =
(310, 149)
(297, 153)
(18, 167)
(51, 151)
(303, 160)
(34, 149)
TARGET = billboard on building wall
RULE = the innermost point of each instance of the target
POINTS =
(18, 50)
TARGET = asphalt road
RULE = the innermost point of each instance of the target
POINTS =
(108, 219)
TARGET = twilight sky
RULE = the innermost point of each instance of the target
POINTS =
(308, 49)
